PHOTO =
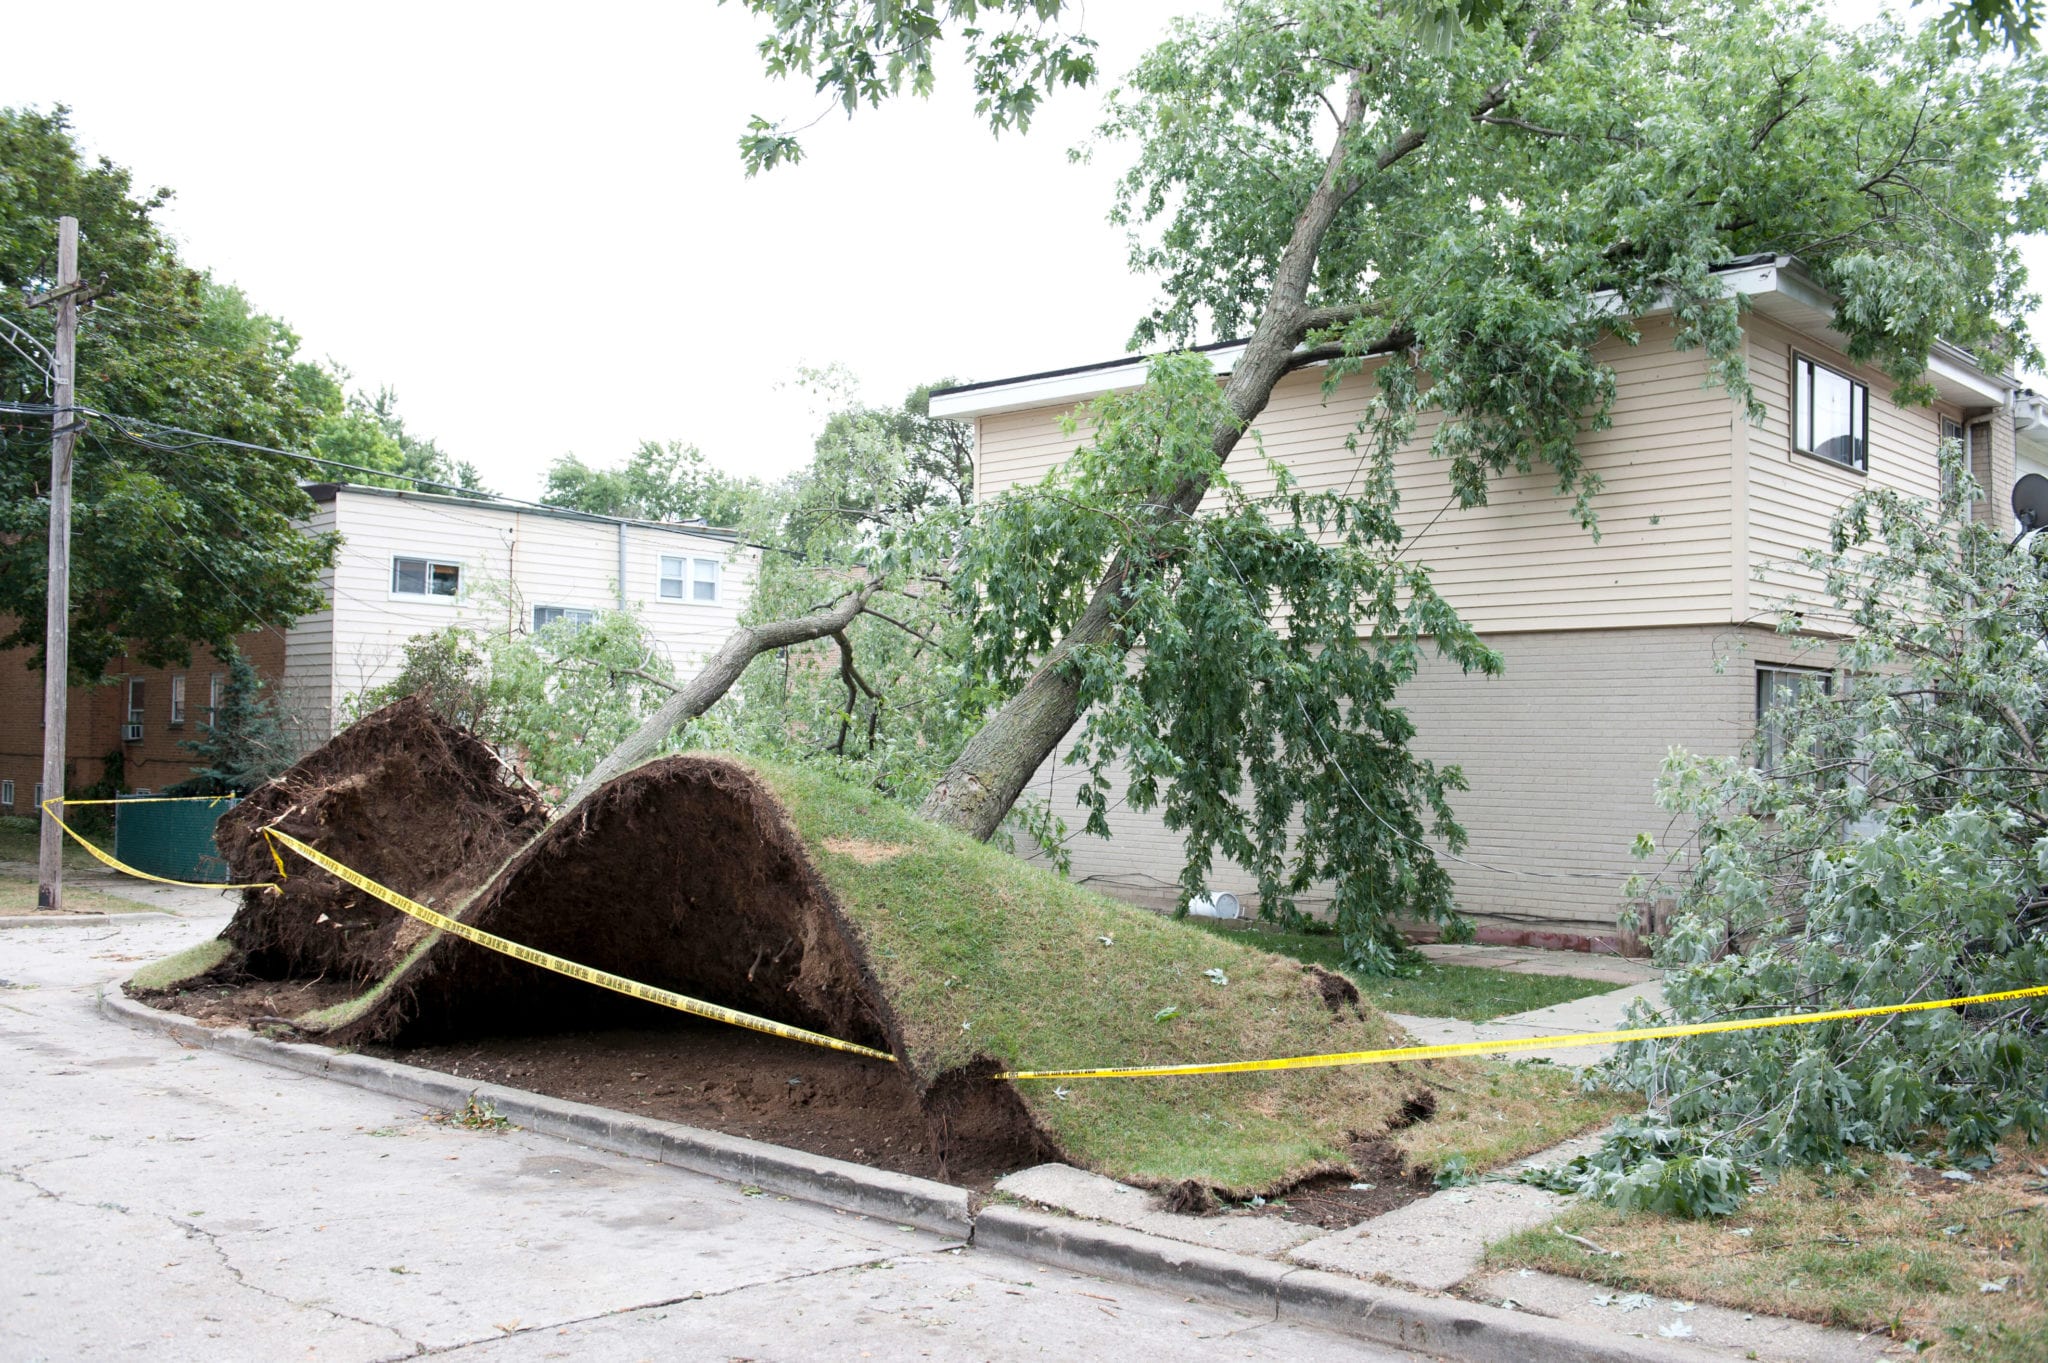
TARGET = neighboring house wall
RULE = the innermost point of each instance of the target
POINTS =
(511, 561)
(1520, 562)
(98, 720)
(1617, 650)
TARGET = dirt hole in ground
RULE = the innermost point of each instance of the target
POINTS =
(1337, 992)
(1381, 1182)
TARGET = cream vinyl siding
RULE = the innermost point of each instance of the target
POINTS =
(1521, 562)
(309, 651)
(1561, 755)
(511, 561)
(1793, 496)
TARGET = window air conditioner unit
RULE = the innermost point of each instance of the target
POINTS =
(131, 733)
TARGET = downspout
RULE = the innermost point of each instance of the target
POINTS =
(622, 565)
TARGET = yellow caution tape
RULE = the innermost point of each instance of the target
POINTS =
(602, 979)
(683, 1003)
(123, 866)
(1525, 1043)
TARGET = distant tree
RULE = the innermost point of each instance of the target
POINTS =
(660, 481)
(365, 429)
(883, 700)
(174, 542)
(243, 743)
(553, 701)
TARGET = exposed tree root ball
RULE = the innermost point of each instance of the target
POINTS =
(408, 799)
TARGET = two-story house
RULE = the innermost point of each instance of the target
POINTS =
(1659, 635)
(409, 563)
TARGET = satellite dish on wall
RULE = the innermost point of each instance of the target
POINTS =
(2030, 502)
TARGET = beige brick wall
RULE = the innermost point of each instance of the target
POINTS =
(1562, 755)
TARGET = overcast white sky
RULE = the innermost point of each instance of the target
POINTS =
(531, 221)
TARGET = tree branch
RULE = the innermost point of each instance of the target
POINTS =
(719, 673)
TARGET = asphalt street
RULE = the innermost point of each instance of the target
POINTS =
(167, 1204)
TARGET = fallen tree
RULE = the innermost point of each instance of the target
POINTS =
(1468, 220)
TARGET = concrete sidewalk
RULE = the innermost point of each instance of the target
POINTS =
(178, 1204)
(1594, 1013)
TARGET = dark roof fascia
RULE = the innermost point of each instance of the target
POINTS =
(1739, 263)
(326, 492)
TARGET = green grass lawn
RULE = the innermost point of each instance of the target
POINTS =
(1472, 993)
(1880, 1246)
(18, 843)
(18, 896)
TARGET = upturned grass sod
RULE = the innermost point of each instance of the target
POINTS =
(963, 961)
(980, 956)
(1433, 990)
(1961, 1268)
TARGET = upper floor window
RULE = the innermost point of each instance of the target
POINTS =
(177, 698)
(689, 579)
(425, 577)
(575, 615)
(1830, 415)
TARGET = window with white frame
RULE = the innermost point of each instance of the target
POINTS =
(1779, 689)
(425, 577)
(1830, 415)
(135, 698)
(213, 684)
(544, 616)
(177, 699)
(7, 794)
(689, 579)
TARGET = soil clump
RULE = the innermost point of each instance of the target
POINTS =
(403, 796)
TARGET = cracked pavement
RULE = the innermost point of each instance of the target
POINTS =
(170, 1204)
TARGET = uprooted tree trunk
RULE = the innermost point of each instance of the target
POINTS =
(702, 691)
(978, 789)
(982, 784)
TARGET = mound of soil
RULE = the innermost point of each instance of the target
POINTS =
(403, 796)
(682, 874)
(801, 899)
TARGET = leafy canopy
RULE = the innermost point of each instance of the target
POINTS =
(1502, 206)
(868, 50)
(660, 481)
(173, 542)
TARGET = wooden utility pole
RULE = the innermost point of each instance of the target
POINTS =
(57, 627)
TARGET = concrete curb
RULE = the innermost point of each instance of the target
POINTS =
(79, 920)
(900, 1198)
(1445, 1327)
